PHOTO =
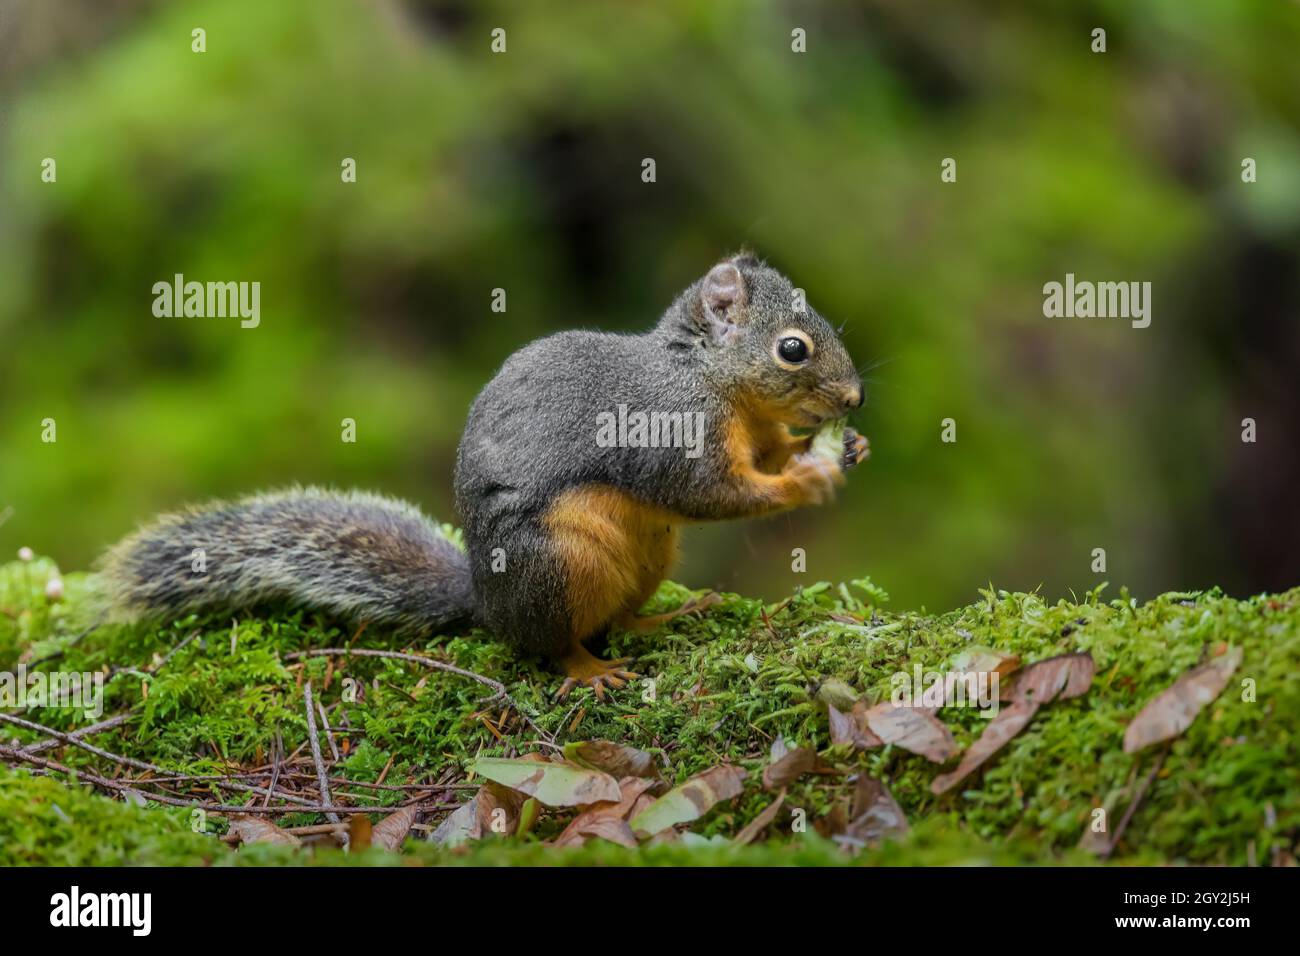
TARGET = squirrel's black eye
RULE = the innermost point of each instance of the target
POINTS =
(792, 349)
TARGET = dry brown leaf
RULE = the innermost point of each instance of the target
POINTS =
(789, 767)
(874, 814)
(556, 783)
(786, 765)
(1011, 719)
(1172, 711)
(614, 759)
(835, 821)
(498, 809)
(611, 829)
(259, 830)
(760, 823)
(1096, 842)
(390, 832)
(690, 801)
(778, 749)
(632, 790)
(912, 728)
(977, 659)
(642, 802)
(460, 825)
(851, 728)
(1057, 678)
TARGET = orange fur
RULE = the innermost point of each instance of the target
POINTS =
(757, 433)
(615, 550)
(759, 451)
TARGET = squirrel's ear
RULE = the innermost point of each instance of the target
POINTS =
(722, 297)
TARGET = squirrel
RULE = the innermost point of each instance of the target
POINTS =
(566, 536)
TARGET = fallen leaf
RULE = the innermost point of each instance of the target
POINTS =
(498, 809)
(459, 826)
(778, 750)
(761, 822)
(977, 659)
(834, 822)
(1057, 678)
(614, 759)
(586, 823)
(1096, 842)
(690, 801)
(556, 784)
(912, 728)
(874, 815)
(259, 830)
(390, 832)
(611, 829)
(1172, 711)
(789, 767)
(1011, 719)
(851, 728)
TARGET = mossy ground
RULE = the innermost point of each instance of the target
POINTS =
(725, 686)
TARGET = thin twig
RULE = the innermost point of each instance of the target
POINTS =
(107, 724)
(277, 748)
(1132, 807)
(218, 808)
(89, 748)
(329, 734)
(127, 761)
(321, 777)
(174, 651)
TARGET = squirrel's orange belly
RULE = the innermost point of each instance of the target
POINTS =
(615, 550)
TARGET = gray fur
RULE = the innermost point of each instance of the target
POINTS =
(360, 556)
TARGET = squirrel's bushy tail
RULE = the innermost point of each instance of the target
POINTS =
(357, 555)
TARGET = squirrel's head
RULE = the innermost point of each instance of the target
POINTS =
(769, 346)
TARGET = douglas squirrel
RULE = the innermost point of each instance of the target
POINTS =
(566, 536)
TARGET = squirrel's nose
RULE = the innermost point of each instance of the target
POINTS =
(854, 396)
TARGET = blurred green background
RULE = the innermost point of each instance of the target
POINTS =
(522, 171)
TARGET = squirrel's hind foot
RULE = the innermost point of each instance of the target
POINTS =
(584, 669)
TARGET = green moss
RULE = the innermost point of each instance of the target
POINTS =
(45, 822)
(724, 686)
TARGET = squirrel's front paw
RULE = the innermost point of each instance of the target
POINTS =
(816, 475)
(856, 448)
